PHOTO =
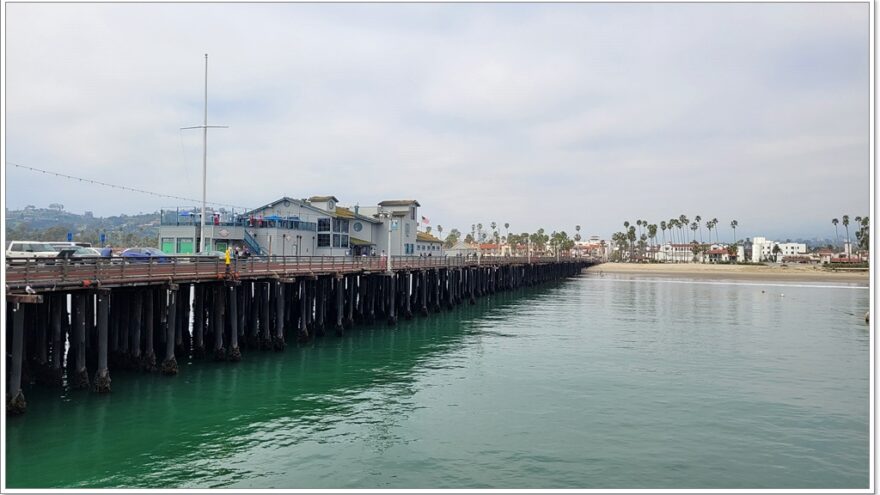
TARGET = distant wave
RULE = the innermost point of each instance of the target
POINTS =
(704, 282)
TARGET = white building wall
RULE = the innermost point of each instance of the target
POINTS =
(762, 249)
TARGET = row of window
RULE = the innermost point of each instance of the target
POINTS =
(432, 247)
(339, 225)
(338, 240)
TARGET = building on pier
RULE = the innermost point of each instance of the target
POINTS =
(426, 245)
(317, 226)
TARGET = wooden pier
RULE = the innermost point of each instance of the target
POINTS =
(118, 314)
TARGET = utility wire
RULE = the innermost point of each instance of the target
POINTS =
(124, 188)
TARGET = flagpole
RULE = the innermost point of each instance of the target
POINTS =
(204, 128)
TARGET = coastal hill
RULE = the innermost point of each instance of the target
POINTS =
(53, 224)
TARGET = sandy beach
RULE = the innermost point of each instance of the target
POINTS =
(802, 273)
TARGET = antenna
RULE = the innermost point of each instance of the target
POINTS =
(204, 127)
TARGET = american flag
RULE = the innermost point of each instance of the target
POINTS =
(425, 220)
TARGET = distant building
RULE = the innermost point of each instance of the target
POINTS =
(762, 249)
(462, 248)
(426, 244)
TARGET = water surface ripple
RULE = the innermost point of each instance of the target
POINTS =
(595, 382)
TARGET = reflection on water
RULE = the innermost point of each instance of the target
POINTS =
(595, 382)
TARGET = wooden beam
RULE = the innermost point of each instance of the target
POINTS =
(24, 298)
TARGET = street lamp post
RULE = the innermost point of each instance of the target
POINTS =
(387, 216)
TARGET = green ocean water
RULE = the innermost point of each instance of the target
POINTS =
(595, 382)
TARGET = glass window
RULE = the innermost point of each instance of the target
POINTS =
(337, 240)
(340, 225)
(323, 240)
(406, 228)
(323, 225)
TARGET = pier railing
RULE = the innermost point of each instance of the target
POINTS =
(64, 273)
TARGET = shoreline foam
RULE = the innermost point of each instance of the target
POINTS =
(799, 273)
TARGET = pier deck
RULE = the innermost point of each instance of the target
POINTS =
(121, 272)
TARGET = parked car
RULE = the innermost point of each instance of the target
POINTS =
(79, 253)
(63, 245)
(211, 256)
(30, 249)
(145, 255)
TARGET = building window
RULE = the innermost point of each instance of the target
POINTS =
(323, 240)
(323, 225)
(340, 241)
(406, 229)
(340, 225)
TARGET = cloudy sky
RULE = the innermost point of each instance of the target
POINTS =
(540, 115)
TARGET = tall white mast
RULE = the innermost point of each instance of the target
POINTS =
(204, 128)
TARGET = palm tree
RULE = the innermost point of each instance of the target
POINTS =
(697, 219)
(663, 230)
(652, 234)
(440, 231)
(676, 239)
(715, 226)
(846, 226)
(836, 232)
(709, 226)
(507, 229)
(428, 229)
(864, 233)
(683, 223)
(631, 235)
(733, 225)
(776, 251)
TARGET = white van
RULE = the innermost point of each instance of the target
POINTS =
(30, 249)
(66, 245)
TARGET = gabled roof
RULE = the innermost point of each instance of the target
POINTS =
(296, 201)
(426, 237)
(343, 212)
(462, 245)
(322, 199)
(399, 202)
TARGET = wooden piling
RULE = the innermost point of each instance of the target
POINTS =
(169, 365)
(15, 403)
(102, 375)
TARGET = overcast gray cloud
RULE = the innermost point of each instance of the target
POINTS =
(541, 115)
